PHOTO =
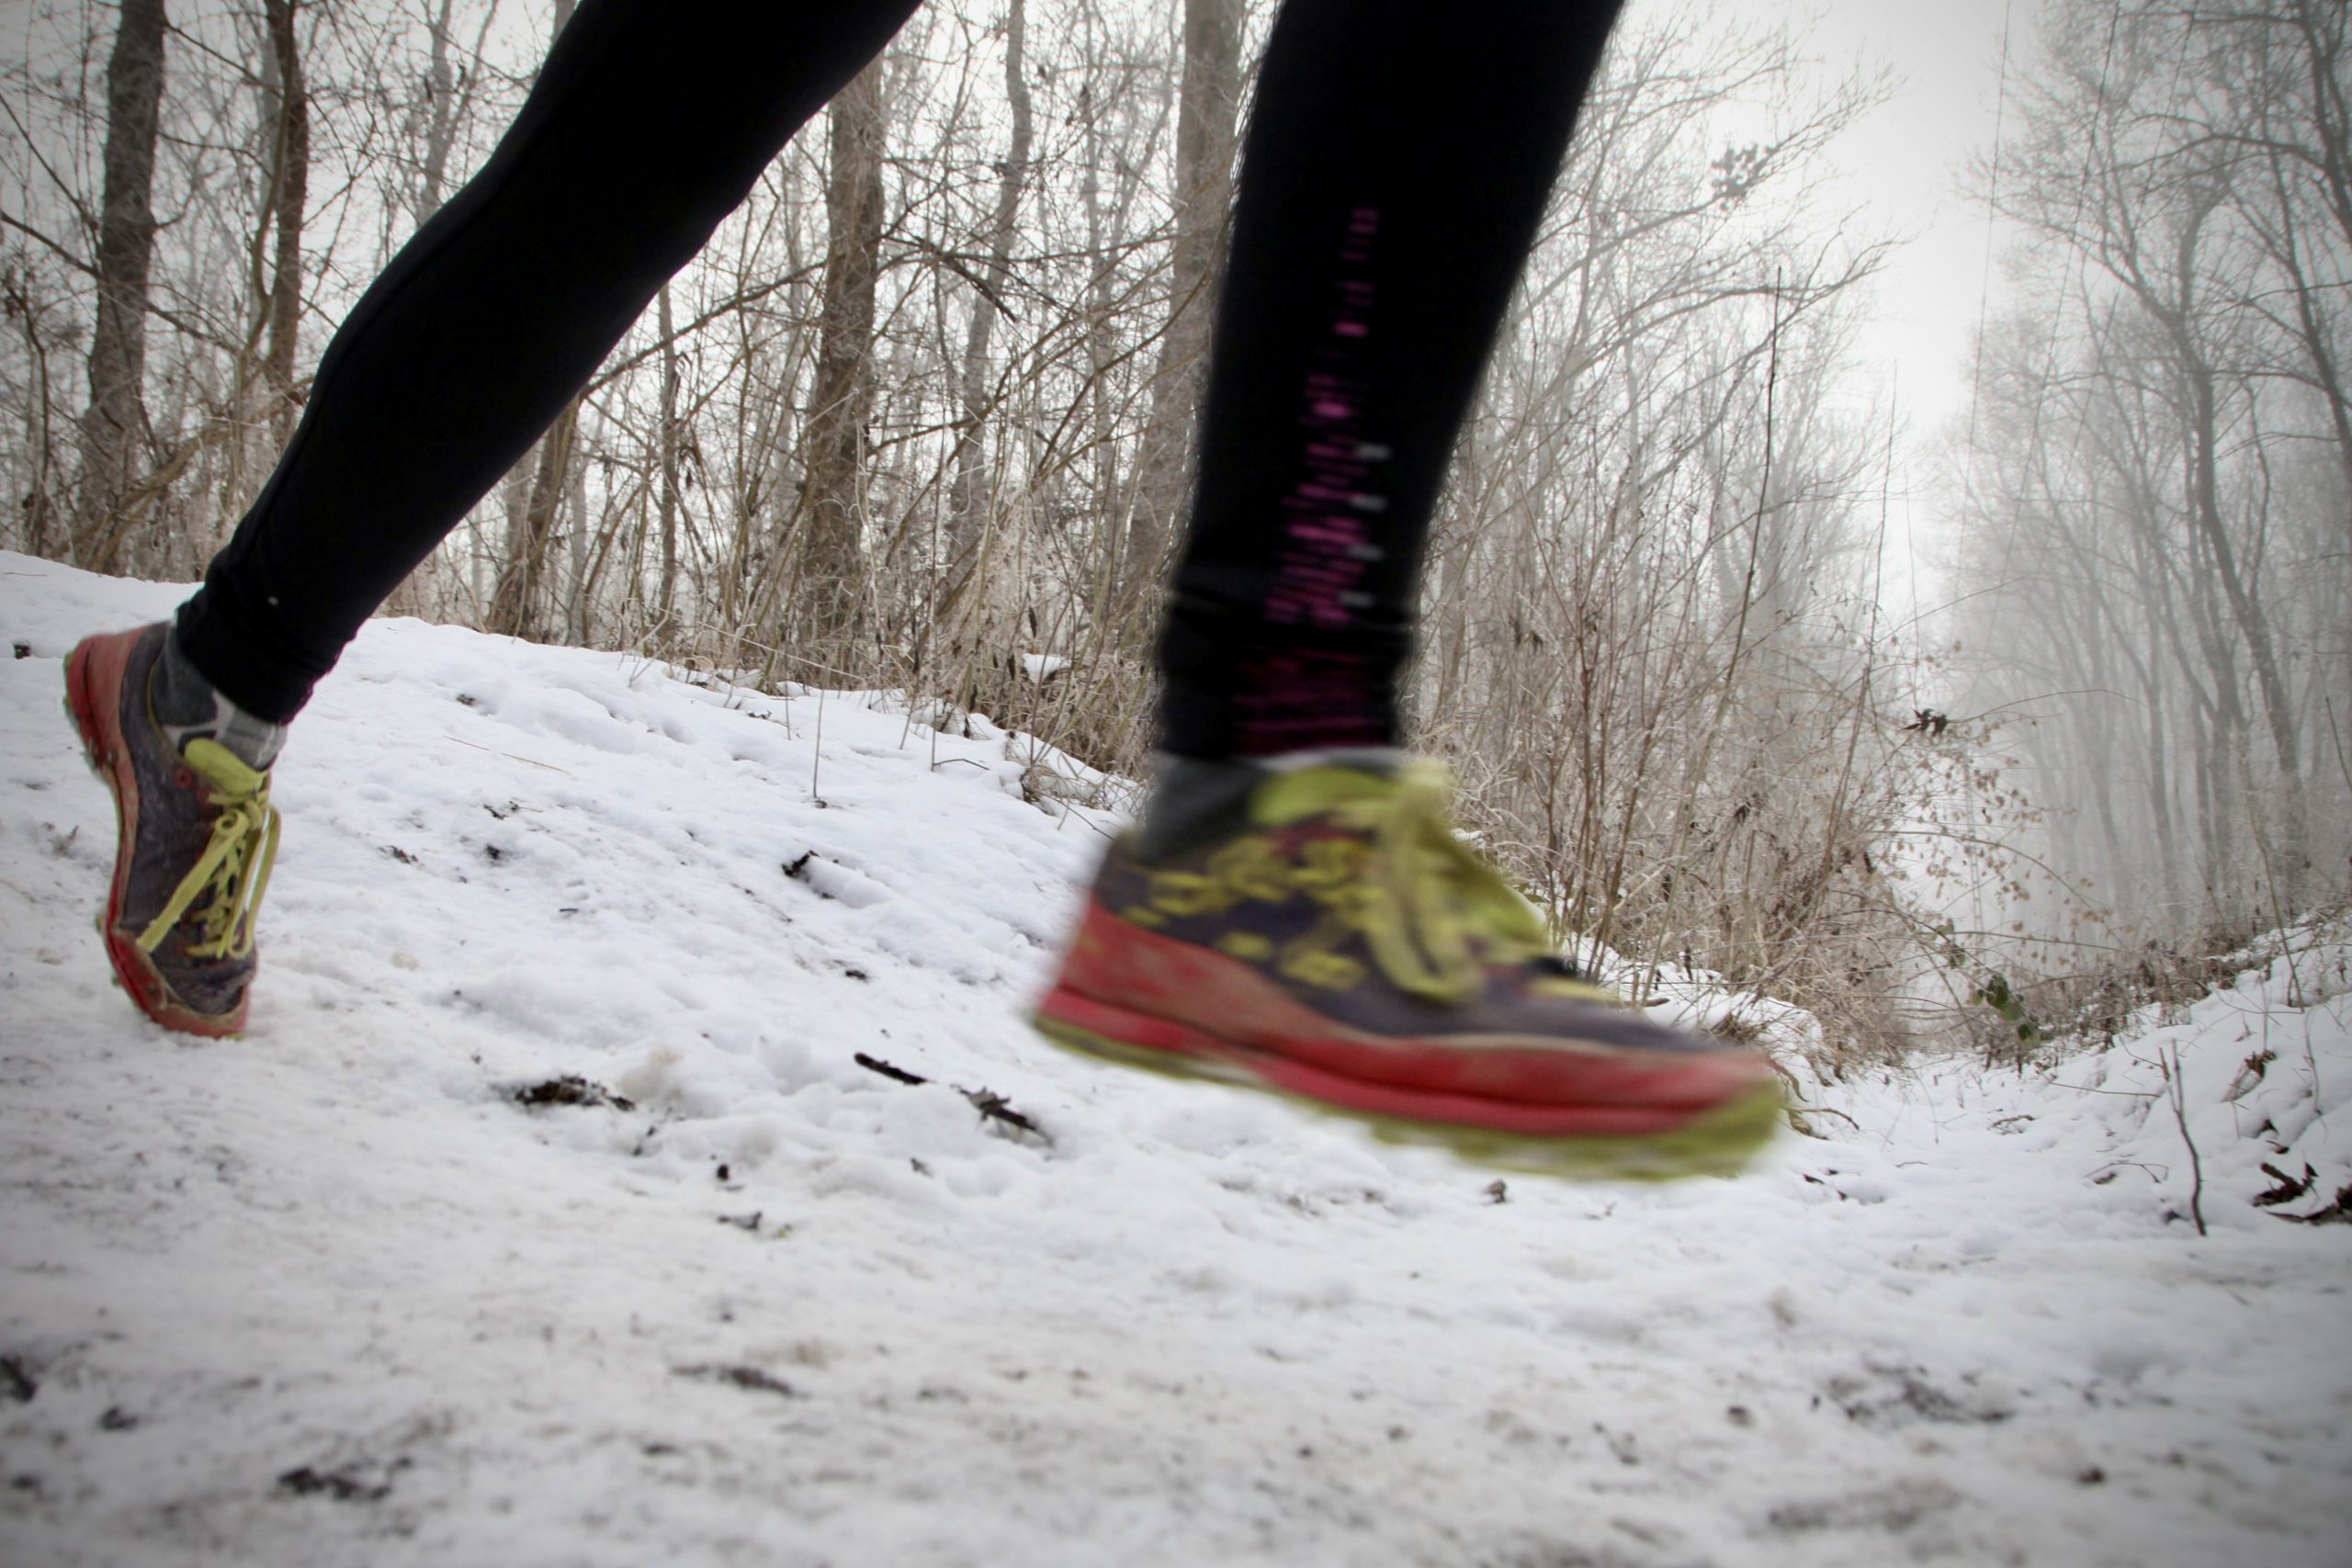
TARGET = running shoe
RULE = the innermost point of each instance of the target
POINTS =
(1342, 945)
(195, 836)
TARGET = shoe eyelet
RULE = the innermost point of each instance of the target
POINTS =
(183, 778)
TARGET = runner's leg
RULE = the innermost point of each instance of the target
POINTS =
(650, 123)
(1392, 178)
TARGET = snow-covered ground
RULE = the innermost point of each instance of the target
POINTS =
(329, 1295)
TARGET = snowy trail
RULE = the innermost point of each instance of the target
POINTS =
(328, 1295)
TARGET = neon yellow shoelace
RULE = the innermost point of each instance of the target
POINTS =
(234, 866)
(1440, 913)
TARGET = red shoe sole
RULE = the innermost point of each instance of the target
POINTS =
(1191, 1011)
(96, 666)
(1141, 1039)
(1719, 1142)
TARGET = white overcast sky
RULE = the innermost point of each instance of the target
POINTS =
(1904, 164)
(1902, 172)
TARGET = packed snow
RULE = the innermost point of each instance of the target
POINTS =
(335, 1294)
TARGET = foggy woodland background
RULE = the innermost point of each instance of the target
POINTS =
(922, 411)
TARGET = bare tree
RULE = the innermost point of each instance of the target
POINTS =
(523, 583)
(665, 605)
(830, 517)
(1208, 104)
(965, 509)
(114, 425)
(289, 187)
(2162, 422)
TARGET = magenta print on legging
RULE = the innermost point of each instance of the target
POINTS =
(1289, 699)
(1393, 173)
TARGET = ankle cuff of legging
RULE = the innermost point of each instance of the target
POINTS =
(222, 653)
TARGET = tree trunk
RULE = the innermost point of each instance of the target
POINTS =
(830, 513)
(514, 610)
(290, 194)
(440, 128)
(576, 632)
(2320, 24)
(116, 418)
(2247, 611)
(2167, 845)
(1100, 349)
(965, 506)
(669, 501)
(532, 489)
(1204, 133)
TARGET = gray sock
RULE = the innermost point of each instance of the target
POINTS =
(187, 708)
(1196, 800)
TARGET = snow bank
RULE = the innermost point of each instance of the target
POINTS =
(331, 1294)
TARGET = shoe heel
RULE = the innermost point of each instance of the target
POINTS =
(79, 709)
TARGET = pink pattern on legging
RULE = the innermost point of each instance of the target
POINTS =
(1326, 545)
(1300, 698)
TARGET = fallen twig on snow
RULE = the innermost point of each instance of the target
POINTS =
(570, 1089)
(991, 1105)
(738, 1376)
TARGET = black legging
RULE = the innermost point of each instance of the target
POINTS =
(1393, 174)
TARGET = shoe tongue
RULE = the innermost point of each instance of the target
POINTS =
(223, 766)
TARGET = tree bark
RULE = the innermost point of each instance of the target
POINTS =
(116, 419)
(577, 620)
(664, 605)
(830, 512)
(965, 507)
(290, 194)
(2253, 621)
(532, 489)
(2201, 463)
(1205, 139)
(440, 130)
(514, 610)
